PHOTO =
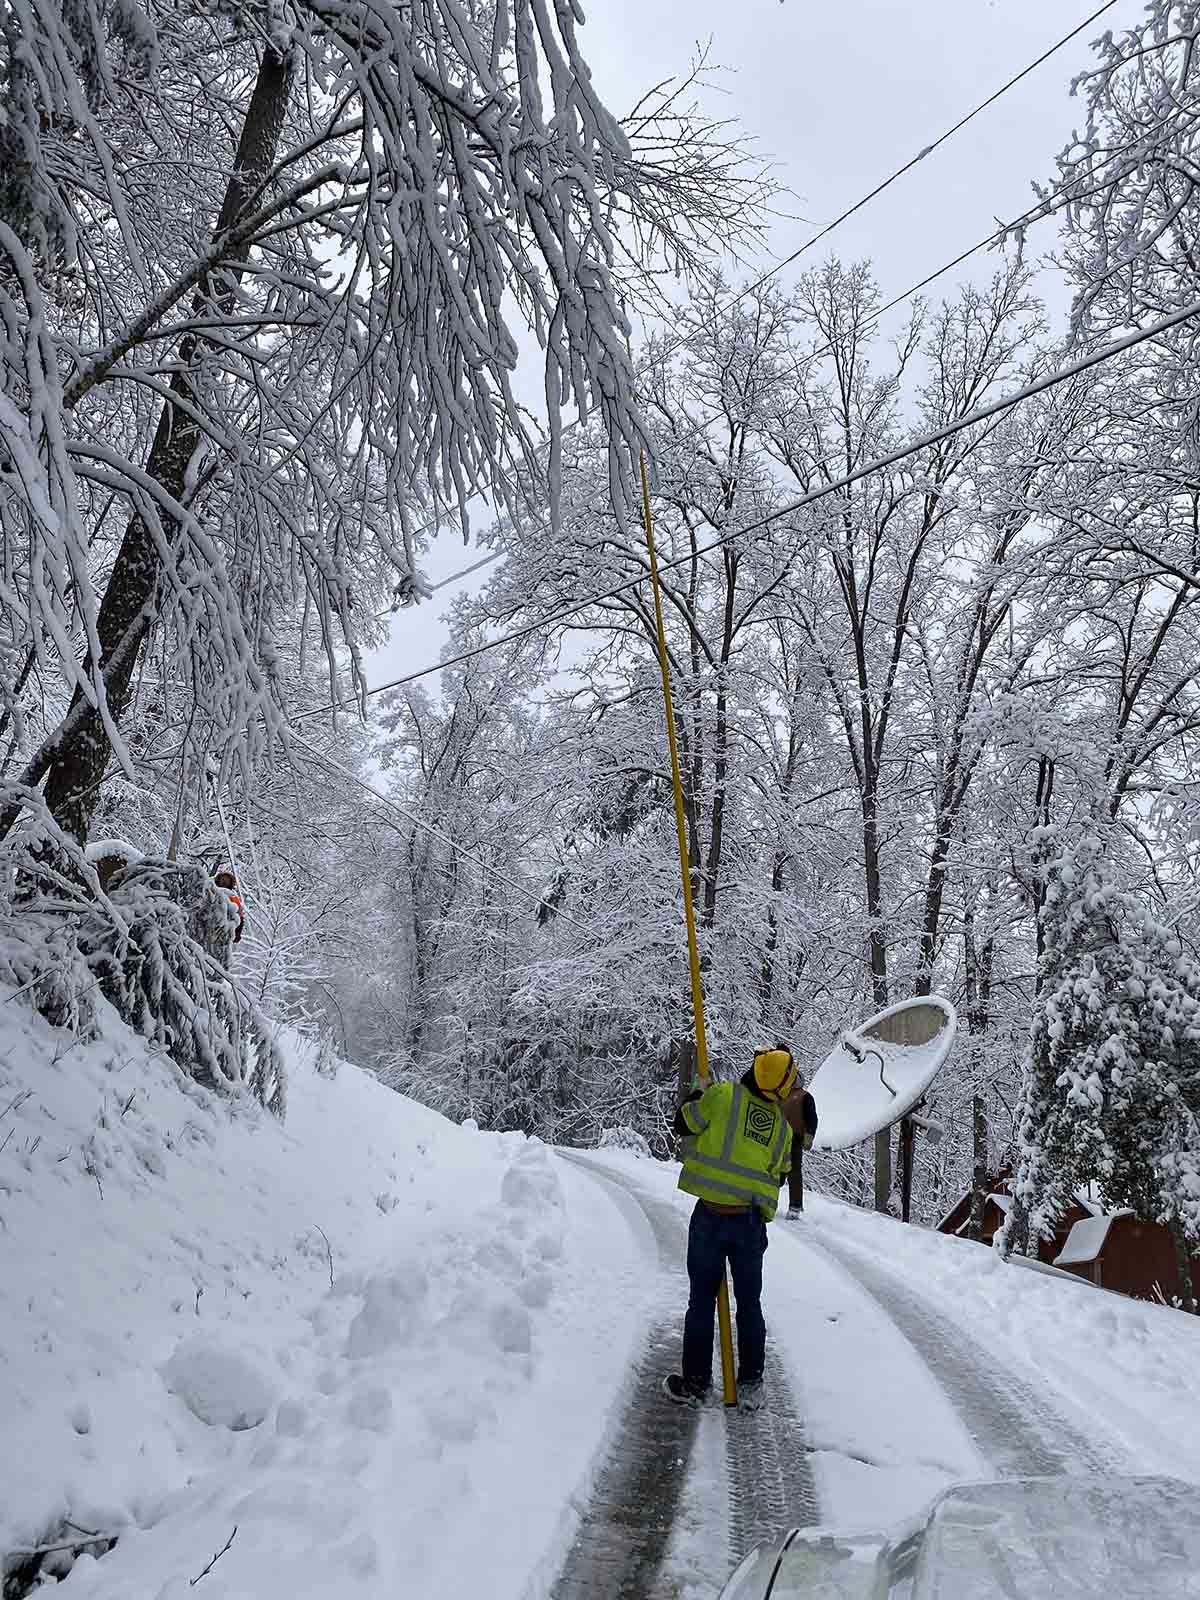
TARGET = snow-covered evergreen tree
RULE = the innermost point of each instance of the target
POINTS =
(1111, 1089)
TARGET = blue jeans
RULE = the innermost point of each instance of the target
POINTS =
(715, 1237)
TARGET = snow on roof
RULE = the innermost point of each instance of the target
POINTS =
(1089, 1198)
(942, 1224)
(1086, 1239)
(1003, 1201)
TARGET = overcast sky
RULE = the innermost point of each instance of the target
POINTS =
(838, 95)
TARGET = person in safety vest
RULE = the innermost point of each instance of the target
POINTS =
(226, 880)
(737, 1152)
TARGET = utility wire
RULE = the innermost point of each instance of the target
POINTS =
(419, 822)
(892, 178)
(1035, 213)
(879, 464)
(1039, 386)
(714, 317)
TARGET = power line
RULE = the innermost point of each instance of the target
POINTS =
(893, 177)
(419, 822)
(465, 572)
(712, 320)
(1035, 213)
(879, 464)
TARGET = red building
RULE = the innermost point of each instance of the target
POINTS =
(1114, 1250)
(1121, 1252)
(995, 1210)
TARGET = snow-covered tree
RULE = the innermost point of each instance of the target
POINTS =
(1125, 181)
(1111, 1087)
(258, 265)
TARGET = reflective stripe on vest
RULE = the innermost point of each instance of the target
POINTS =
(710, 1170)
(691, 1115)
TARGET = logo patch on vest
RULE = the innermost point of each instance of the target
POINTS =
(759, 1122)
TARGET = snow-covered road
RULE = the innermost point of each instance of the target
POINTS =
(1015, 1420)
(623, 1535)
(665, 1511)
(881, 1398)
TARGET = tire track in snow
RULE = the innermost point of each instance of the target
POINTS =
(769, 1464)
(619, 1548)
(622, 1542)
(622, 1538)
(1014, 1427)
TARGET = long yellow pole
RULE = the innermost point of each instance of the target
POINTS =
(728, 1380)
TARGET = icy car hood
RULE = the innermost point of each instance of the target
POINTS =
(1022, 1539)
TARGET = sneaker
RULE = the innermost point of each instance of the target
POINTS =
(683, 1394)
(751, 1395)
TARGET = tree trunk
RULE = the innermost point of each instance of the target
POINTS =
(1043, 800)
(1183, 1263)
(77, 756)
(779, 862)
(978, 978)
(934, 890)
(766, 975)
(979, 1169)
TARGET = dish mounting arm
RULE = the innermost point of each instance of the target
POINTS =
(860, 1052)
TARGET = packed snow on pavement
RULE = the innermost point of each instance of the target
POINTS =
(885, 1437)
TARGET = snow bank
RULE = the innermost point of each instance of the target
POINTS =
(175, 1363)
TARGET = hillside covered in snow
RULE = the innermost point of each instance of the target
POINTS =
(355, 1337)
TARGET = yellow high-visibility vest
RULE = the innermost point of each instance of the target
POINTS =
(740, 1149)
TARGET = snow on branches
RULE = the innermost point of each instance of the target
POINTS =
(154, 942)
(248, 359)
(1127, 180)
(162, 961)
(1111, 1085)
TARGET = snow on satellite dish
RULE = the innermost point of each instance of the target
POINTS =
(879, 1071)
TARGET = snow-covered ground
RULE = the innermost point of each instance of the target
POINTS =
(1124, 1369)
(175, 1364)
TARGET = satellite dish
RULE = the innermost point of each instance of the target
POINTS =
(879, 1071)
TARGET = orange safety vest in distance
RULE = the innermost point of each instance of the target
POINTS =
(235, 900)
(740, 1149)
